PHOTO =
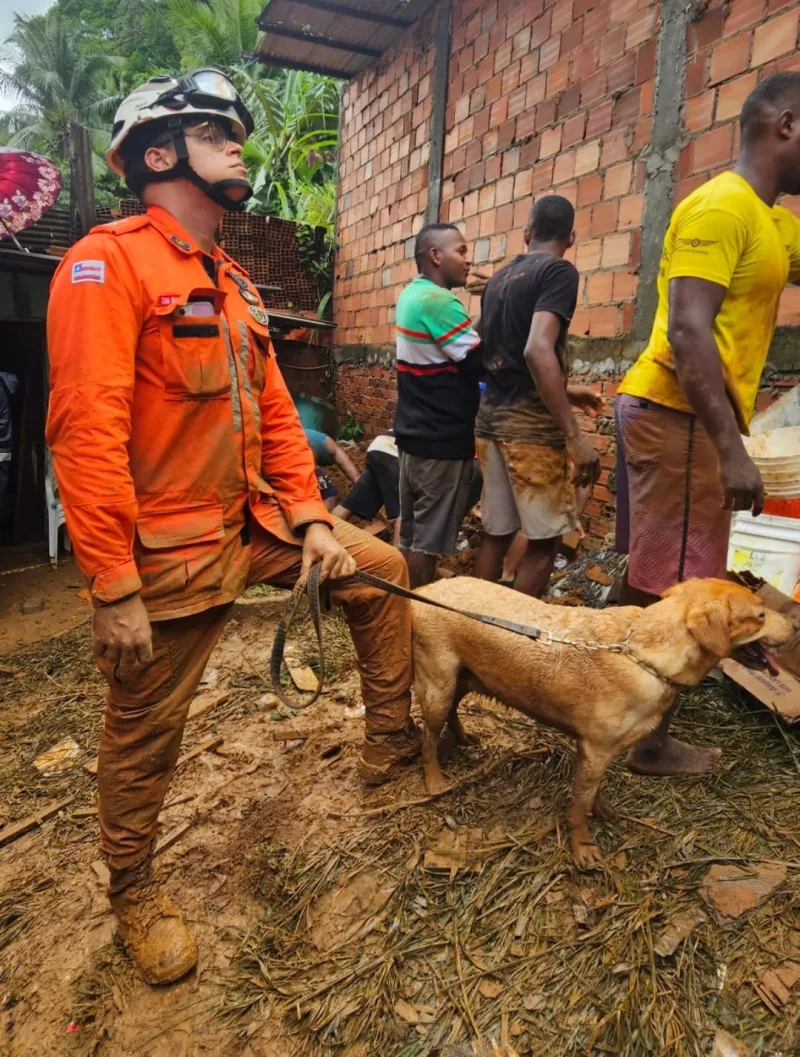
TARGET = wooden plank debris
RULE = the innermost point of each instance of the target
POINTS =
(170, 838)
(203, 703)
(198, 750)
(289, 735)
(17, 829)
(184, 799)
(84, 812)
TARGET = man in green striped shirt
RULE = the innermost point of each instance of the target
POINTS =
(438, 366)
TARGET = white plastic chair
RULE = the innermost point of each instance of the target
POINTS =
(55, 514)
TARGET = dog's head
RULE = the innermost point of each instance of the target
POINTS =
(723, 617)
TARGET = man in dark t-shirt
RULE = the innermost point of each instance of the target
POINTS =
(530, 447)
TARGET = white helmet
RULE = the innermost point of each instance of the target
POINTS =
(169, 101)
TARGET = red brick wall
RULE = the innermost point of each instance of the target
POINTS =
(550, 97)
(383, 173)
(730, 49)
(543, 96)
(369, 391)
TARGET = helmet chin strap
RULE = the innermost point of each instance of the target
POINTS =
(216, 191)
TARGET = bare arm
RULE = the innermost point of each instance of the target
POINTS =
(693, 306)
(342, 460)
(542, 362)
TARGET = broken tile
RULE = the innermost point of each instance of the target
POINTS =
(731, 891)
(598, 575)
(464, 849)
(414, 1014)
(305, 678)
(58, 759)
(101, 872)
(726, 1045)
(490, 988)
(775, 985)
(677, 931)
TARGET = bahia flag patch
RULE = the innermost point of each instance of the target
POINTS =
(89, 272)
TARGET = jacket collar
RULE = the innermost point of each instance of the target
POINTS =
(166, 224)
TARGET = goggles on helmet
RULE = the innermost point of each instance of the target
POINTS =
(205, 88)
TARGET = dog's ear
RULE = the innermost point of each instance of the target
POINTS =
(709, 626)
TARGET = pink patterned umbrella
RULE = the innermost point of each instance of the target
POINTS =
(29, 185)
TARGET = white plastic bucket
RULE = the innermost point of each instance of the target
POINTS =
(768, 546)
(777, 455)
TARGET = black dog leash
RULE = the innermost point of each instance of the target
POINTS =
(311, 586)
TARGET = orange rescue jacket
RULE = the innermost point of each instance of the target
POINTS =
(169, 419)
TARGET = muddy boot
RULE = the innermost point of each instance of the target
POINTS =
(381, 752)
(150, 926)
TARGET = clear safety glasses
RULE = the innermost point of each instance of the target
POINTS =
(214, 133)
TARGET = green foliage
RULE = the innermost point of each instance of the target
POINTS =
(57, 75)
(78, 60)
(352, 428)
(216, 33)
(138, 31)
(317, 265)
(56, 78)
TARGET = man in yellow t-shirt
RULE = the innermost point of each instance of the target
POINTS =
(682, 467)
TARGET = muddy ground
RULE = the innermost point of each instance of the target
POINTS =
(245, 821)
(56, 972)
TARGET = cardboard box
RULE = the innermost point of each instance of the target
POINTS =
(779, 693)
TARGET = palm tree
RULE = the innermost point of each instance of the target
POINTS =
(58, 82)
(291, 153)
(215, 32)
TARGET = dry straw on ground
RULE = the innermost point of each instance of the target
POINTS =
(465, 918)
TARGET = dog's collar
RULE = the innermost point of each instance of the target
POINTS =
(645, 666)
(624, 647)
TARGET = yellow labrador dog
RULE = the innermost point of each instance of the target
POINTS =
(607, 699)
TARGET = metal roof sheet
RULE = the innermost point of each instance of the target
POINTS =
(296, 322)
(335, 37)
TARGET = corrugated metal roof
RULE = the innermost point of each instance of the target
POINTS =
(13, 260)
(335, 37)
(295, 321)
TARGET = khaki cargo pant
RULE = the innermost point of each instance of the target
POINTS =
(146, 714)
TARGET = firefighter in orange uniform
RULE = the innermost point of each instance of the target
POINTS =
(185, 476)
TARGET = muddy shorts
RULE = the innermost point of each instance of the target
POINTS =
(526, 486)
(670, 518)
(433, 500)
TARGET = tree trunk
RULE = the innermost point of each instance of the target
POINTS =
(81, 182)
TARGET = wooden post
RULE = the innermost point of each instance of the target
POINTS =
(81, 182)
(441, 63)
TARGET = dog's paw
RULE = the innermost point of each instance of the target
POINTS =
(436, 784)
(586, 854)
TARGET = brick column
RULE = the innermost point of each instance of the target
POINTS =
(665, 143)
